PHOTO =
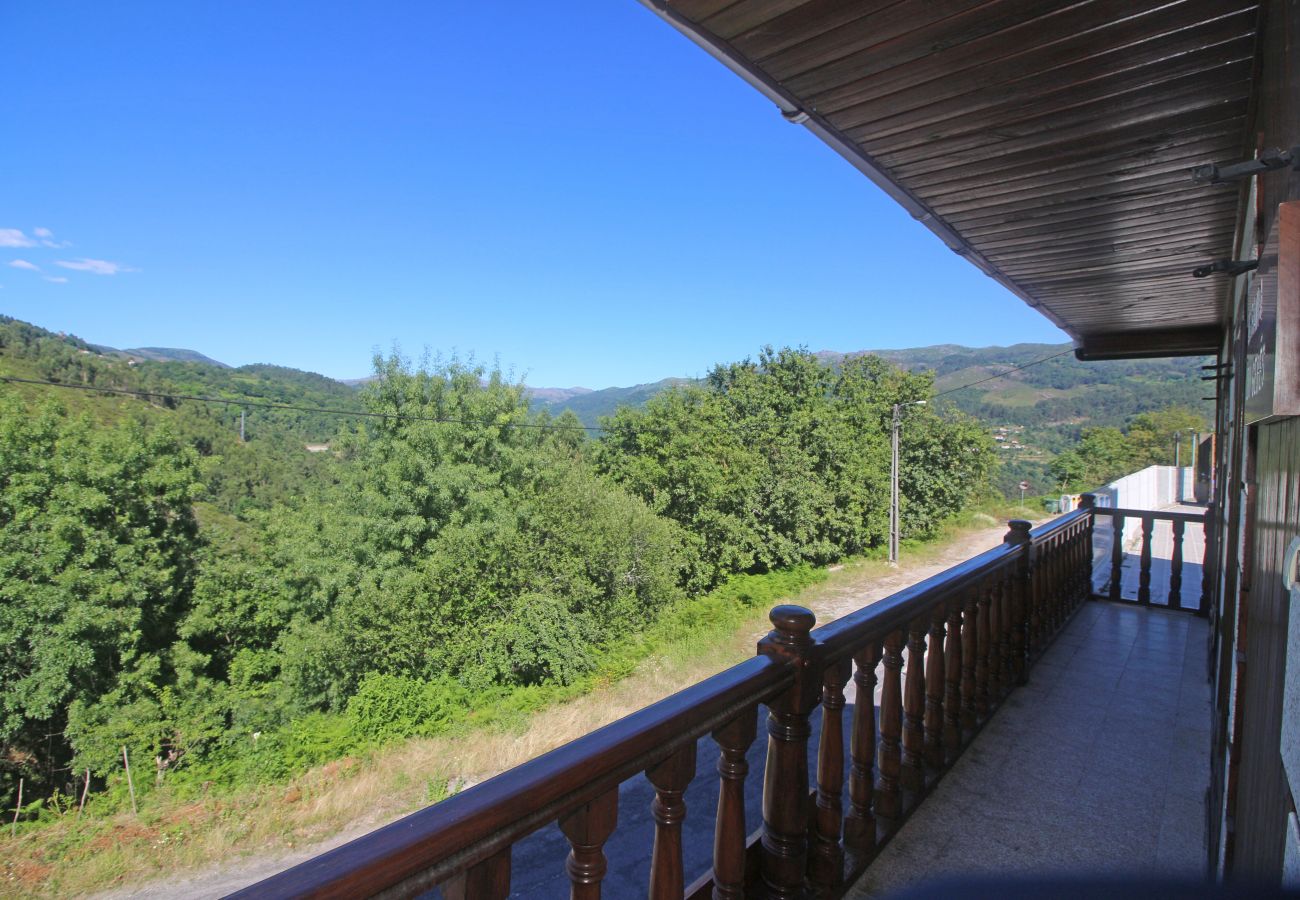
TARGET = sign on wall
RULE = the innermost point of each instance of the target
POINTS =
(1272, 376)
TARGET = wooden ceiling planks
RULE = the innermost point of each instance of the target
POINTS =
(1054, 138)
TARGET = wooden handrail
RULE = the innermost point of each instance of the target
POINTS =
(1157, 515)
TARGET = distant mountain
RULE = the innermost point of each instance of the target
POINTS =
(589, 406)
(558, 395)
(160, 354)
(1047, 402)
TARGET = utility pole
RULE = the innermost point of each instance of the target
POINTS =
(241, 426)
(893, 478)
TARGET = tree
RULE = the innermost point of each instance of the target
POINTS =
(97, 543)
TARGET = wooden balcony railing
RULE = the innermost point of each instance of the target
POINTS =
(949, 649)
(1168, 594)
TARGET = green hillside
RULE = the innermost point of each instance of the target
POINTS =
(272, 463)
(1036, 411)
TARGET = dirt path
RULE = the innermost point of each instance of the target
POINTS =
(842, 598)
(848, 590)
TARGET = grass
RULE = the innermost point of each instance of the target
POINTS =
(183, 831)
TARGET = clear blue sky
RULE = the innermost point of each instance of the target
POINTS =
(575, 189)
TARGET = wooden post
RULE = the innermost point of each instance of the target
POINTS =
(935, 685)
(970, 614)
(913, 762)
(1018, 536)
(126, 763)
(860, 825)
(84, 791)
(587, 828)
(826, 860)
(1116, 555)
(888, 800)
(13, 828)
(1144, 572)
(990, 652)
(734, 740)
(982, 648)
(952, 737)
(785, 781)
(670, 778)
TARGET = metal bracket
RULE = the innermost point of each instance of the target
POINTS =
(1230, 267)
(1268, 161)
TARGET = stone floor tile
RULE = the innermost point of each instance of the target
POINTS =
(1101, 763)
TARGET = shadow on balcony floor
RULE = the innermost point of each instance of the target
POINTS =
(1100, 764)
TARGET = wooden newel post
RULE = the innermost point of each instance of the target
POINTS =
(1088, 502)
(785, 781)
(1018, 535)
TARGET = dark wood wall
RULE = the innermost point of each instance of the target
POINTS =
(1268, 467)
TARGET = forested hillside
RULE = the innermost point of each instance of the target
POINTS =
(235, 611)
(1039, 410)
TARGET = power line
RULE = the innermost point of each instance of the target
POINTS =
(324, 410)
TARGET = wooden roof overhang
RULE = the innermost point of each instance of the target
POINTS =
(1050, 142)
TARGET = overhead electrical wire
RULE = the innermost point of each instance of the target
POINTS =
(1007, 372)
(323, 410)
(404, 417)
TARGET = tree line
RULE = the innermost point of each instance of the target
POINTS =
(418, 567)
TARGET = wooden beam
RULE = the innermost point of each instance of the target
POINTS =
(1153, 344)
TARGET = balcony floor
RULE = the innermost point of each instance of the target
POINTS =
(1100, 764)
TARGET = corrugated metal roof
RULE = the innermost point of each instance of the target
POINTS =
(1050, 142)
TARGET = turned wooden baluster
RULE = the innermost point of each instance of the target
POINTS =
(1144, 572)
(1018, 536)
(1054, 562)
(913, 762)
(860, 824)
(934, 689)
(1116, 556)
(670, 778)
(486, 880)
(952, 704)
(969, 648)
(1076, 567)
(1176, 568)
(1084, 563)
(1034, 572)
(826, 859)
(1006, 627)
(785, 781)
(734, 740)
(888, 763)
(587, 828)
(1043, 594)
(982, 648)
(991, 650)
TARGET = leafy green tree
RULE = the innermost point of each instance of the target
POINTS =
(97, 543)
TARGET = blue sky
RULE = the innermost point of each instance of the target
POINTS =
(575, 190)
